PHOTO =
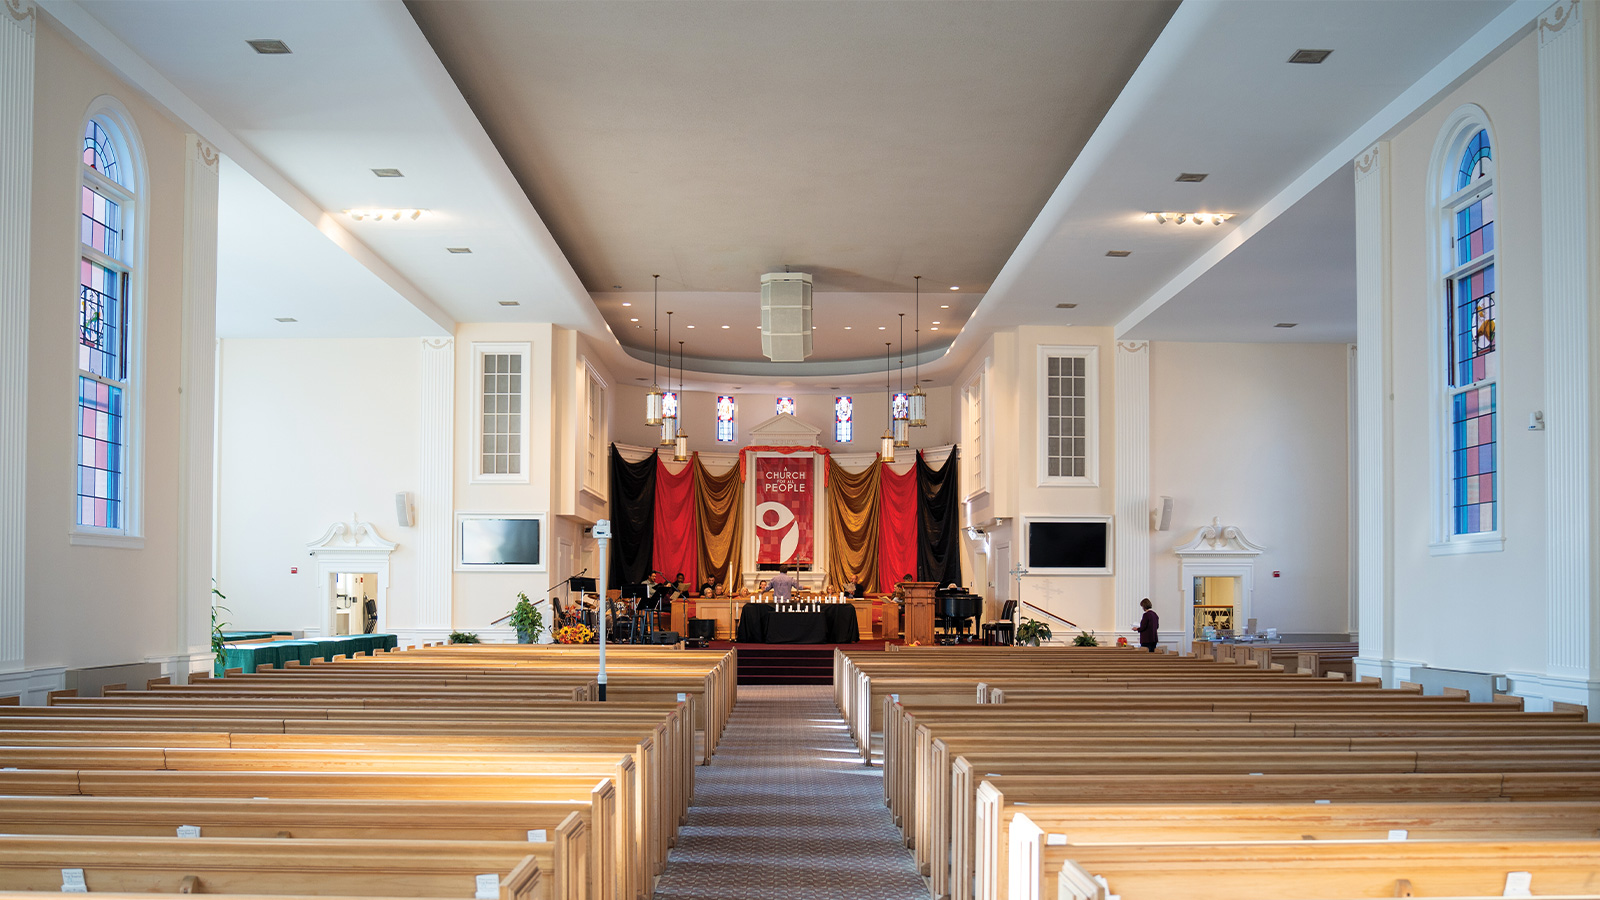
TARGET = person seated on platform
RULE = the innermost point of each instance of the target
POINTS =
(783, 585)
(678, 589)
(853, 588)
(708, 589)
(898, 595)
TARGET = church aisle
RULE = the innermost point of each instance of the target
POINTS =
(786, 810)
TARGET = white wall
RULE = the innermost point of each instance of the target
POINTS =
(311, 432)
(1482, 611)
(91, 606)
(1257, 436)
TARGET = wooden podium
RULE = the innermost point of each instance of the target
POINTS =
(919, 612)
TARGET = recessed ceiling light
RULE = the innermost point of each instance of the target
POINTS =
(934, 329)
(510, 302)
(387, 173)
(847, 328)
(285, 319)
(269, 47)
(1191, 177)
(730, 326)
(640, 378)
(937, 322)
(1119, 254)
(883, 328)
(627, 304)
(633, 320)
(1286, 325)
(1309, 57)
(691, 326)
(389, 215)
(955, 287)
(1066, 306)
(945, 306)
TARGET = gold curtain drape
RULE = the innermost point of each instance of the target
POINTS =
(852, 513)
(719, 513)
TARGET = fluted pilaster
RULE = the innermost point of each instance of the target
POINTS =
(1375, 601)
(1565, 161)
(435, 498)
(199, 373)
(1133, 479)
(17, 22)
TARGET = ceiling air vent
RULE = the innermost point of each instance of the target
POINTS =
(387, 173)
(269, 47)
(1191, 177)
(1119, 254)
(1309, 57)
(458, 249)
(284, 319)
(1066, 306)
(786, 316)
(1286, 325)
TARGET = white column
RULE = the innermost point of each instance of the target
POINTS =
(1566, 158)
(16, 188)
(198, 380)
(435, 504)
(1133, 480)
(1374, 590)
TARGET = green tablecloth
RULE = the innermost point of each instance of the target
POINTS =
(274, 654)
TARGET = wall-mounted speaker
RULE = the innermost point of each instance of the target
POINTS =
(1161, 516)
(402, 509)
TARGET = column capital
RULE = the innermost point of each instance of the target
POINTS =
(23, 12)
(1558, 19)
(1373, 159)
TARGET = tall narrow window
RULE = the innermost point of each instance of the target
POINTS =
(1067, 415)
(105, 315)
(595, 438)
(1472, 364)
(669, 404)
(725, 408)
(502, 412)
(844, 428)
(972, 435)
(785, 406)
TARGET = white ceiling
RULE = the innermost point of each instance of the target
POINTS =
(1214, 94)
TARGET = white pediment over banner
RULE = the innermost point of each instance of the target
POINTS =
(1219, 541)
(785, 431)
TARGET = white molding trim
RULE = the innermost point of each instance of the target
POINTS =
(1218, 541)
(1543, 690)
(354, 547)
(1132, 398)
(16, 229)
(1374, 301)
(33, 684)
(1090, 354)
(110, 540)
(435, 485)
(1572, 502)
(198, 378)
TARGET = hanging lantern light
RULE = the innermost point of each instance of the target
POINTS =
(919, 400)
(680, 445)
(653, 400)
(886, 450)
(901, 406)
(669, 402)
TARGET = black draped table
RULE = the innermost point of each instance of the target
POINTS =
(761, 623)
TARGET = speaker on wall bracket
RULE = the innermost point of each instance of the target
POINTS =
(402, 509)
(1161, 516)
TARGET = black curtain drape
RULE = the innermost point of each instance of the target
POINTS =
(939, 521)
(633, 503)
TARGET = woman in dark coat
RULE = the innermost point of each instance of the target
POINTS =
(1148, 624)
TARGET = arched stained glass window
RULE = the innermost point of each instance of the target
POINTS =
(106, 273)
(725, 409)
(1471, 335)
(843, 419)
(785, 406)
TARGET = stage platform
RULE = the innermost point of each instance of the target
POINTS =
(789, 663)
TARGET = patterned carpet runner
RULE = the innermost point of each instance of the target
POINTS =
(787, 810)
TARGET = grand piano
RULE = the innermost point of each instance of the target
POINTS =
(955, 611)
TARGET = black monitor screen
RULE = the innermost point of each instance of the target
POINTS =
(1067, 545)
(500, 542)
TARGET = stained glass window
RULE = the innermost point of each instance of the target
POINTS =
(902, 406)
(1472, 363)
(725, 409)
(669, 405)
(785, 406)
(104, 314)
(843, 419)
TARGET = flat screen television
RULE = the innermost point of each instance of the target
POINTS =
(1070, 546)
(503, 542)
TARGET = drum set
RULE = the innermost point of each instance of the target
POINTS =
(627, 619)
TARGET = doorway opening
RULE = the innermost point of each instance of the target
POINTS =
(355, 602)
(1216, 605)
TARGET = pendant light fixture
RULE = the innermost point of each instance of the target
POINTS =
(653, 400)
(680, 446)
(669, 411)
(919, 400)
(902, 404)
(886, 451)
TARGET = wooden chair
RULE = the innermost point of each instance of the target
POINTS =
(1002, 631)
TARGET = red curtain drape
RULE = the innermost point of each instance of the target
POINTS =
(676, 549)
(897, 527)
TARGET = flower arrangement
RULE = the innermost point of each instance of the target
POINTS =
(574, 634)
(1122, 641)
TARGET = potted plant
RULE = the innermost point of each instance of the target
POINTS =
(218, 646)
(527, 620)
(464, 637)
(1032, 631)
(1085, 639)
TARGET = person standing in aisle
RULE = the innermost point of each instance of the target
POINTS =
(1148, 625)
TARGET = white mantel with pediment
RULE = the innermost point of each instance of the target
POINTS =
(785, 431)
(351, 547)
(1216, 551)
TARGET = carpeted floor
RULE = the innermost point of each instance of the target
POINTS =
(787, 810)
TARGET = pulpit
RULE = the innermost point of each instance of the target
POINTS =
(919, 612)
